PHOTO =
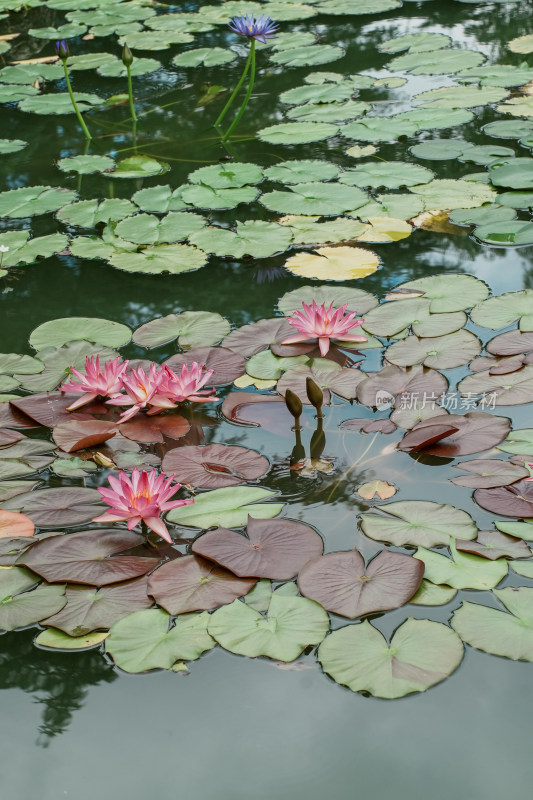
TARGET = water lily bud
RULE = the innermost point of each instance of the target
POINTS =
(315, 395)
(103, 461)
(127, 56)
(62, 50)
(294, 404)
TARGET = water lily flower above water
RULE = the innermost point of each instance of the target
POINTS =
(324, 324)
(98, 381)
(261, 29)
(188, 384)
(141, 498)
(142, 390)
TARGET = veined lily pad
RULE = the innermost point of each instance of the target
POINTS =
(500, 390)
(515, 500)
(228, 507)
(160, 259)
(33, 200)
(204, 56)
(58, 332)
(143, 640)
(418, 522)
(297, 132)
(461, 96)
(50, 508)
(498, 312)
(493, 545)
(255, 238)
(463, 570)
(160, 199)
(420, 654)
(216, 199)
(415, 43)
(19, 607)
(505, 234)
(138, 167)
(190, 328)
(486, 473)
(309, 56)
(436, 62)
(59, 103)
(450, 194)
(519, 441)
(88, 213)
(334, 263)
(388, 174)
(85, 165)
(354, 299)
(378, 129)
(233, 175)
(149, 229)
(442, 352)
(291, 625)
(213, 466)
(294, 171)
(449, 293)
(307, 230)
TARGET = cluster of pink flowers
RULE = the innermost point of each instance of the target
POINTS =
(324, 324)
(156, 390)
(141, 498)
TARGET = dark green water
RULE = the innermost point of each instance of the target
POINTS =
(73, 725)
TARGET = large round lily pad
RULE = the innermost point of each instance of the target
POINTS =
(515, 500)
(418, 522)
(420, 654)
(213, 466)
(190, 328)
(456, 434)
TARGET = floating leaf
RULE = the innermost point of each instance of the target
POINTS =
(487, 472)
(252, 339)
(521, 44)
(217, 199)
(378, 129)
(342, 584)
(159, 198)
(291, 625)
(465, 571)
(12, 145)
(272, 549)
(88, 213)
(49, 508)
(515, 500)
(500, 390)
(436, 62)
(85, 165)
(138, 167)
(226, 364)
(391, 319)
(307, 56)
(388, 174)
(233, 175)
(149, 229)
(354, 299)
(143, 641)
(451, 194)
(503, 310)
(79, 434)
(442, 352)
(418, 522)
(415, 43)
(330, 377)
(88, 608)
(57, 640)
(58, 332)
(430, 594)
(392, 386)
(204, 56)
(518, 441)
(255, 238)
(190, 328)
(33, 200)
(421, 653)
(19, 607)
(13, 524)
(496, 632)
(172, 259)
(59, 103)
(334, 263)
(58, 362)
(194, 584)
(459, 434)
(303, 171)
(156, 428)
(461, 96)
(215, 465)
(493, 545)
(380, 488)
(140, 66)
(228, 507)
(297, 132)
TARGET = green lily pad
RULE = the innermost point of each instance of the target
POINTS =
(391, 319)
(329, 112)
(85, 165)
(138, 167)
(440, 149)
(441, 352)
(172, 259)
(388, 174)
(486, 215)
(450, 194)
(436, 62)
(431, 117)
(308, 230)
(415, 43)
(19, 607)
(515, 173)
(447, 293)
(205, 57)
(217, 199)
(149, 229)
(140, 66)
(418, 522)
(233, 175)
(309, 56)
(289, 172)
(517, 107)
(58, 332)
(228, 507)
(57, 640)
(57, 362)
(461, 96)
(291, 625)
(396, 206)
(33, 200)
(519, 442)
(317, 93)
(354, 299)
(431, 594)
(297, 132)
(522, 530)
(143, 640)
(73, 467)
(505, 234)
(254, 238)
(89, 213)
(497, 632)
(505, 75)
(321, 199)
(463, 570)
(160, 199)
(59, 103)
(23, 250)
(501, 311)
(12, 145)
(350, 7)
(420, 654)
(190, 328)
(378, 129)
(509, 128)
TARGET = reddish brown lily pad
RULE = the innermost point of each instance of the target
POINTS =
(497, 366)
(8, 437)
(368, 425)
(468, 433)
(251, 339)
(80, 434)
(250, 408)
(273, 548)
(65, 506)
(214, 466)
(194, 584)
(15, 525)
(487, 472)
(342, 584)
(227, 364)
(493, 545)
(504, 390)
(11, 417)
(154, 429)
(89, 608)
(50, 408)
(88, 557)
(511, 343)
(515, 500)
(402, 385)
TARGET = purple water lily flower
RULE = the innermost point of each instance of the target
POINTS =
(261, 29)
(62, 50)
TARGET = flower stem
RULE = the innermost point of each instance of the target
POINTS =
(75, 105)
(130, 93)
(236, 90)
(247, 96)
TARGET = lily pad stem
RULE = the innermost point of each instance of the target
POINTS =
(84, 127)
(236, 90)
(248, 93)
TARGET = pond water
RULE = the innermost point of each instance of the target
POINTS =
(224, 725)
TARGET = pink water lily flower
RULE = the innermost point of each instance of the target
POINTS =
(143, 390)
(98, 381)
(324, 324)
(187, 385)
(143, 497)
(530, 467)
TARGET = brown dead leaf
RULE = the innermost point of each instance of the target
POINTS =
(437, 222)
(42, 60)
(403, 294)
(8, 37)
(382, 489)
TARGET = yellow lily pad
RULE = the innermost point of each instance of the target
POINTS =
(359, 152)
(522, 44)
(334, 263)
(383, 230)
(246, 380)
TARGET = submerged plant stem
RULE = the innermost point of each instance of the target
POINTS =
(248, 93)
(130, 94)
(84, 127)
(237, 88)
